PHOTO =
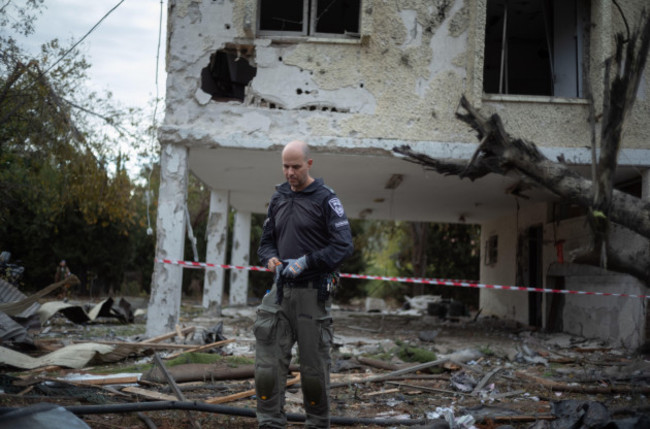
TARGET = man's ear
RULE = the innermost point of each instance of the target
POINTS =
(310, 162)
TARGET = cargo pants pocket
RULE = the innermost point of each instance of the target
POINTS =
(265, 326)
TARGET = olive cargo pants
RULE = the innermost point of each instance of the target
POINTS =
(277, 327)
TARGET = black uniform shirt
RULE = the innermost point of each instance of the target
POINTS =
(311, 222)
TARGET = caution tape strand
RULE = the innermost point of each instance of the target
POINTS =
(415, 280)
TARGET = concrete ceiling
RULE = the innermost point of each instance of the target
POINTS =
(360, 181)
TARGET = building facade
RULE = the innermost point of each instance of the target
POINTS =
(356, 78)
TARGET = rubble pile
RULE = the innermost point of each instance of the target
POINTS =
(418, 366)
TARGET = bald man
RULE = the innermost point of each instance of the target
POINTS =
(306, 237)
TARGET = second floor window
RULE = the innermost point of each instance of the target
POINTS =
(324, 18)
(534, 47)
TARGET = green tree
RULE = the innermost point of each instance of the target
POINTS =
(64, 190)
(425, 250)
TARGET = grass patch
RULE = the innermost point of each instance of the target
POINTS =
(235, 361)
(415, 354)
(486, 350)
(186, 358)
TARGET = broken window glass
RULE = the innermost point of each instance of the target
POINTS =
(534, 47)
(309, 17)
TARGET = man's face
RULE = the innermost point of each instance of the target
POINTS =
(296, 169)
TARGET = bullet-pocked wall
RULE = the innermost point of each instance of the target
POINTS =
(240, 79)
(400, 77)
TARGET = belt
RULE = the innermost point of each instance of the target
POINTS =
(301, 284)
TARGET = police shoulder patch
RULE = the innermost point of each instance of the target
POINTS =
(336, 205)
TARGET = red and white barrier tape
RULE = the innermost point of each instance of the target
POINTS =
(441, 282)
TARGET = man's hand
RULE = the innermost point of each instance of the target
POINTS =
(294, 267)
(273, 263)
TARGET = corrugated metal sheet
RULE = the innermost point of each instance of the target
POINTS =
(10, 293)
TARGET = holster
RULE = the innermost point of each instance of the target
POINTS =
(328, 285)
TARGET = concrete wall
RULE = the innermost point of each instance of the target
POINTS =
(618, 320)
(401, 80)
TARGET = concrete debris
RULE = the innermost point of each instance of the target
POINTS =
(420, 302)
(375, 305)
(458, 373)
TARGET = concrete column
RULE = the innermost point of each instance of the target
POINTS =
(645, 184)
(167, 280)
(240, 256)
(217, 237)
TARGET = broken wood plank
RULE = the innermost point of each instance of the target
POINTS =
(175, 389)
(426, 388)
(200, 348)
(132, 379)
(245, 394)
(149, 393)
(383, 377)
(506, 394)
(16, 307)
(169, 335)
(381, 392)
(143, 345)
(25, 390)
(179, 332)
(565, 387)
(484, 381)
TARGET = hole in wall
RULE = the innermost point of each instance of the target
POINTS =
(229, 72)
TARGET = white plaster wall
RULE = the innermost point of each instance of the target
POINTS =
(165, 300)
(511, 305)
(217, 236)
(618, 320)
(402, 80)
(240, 256)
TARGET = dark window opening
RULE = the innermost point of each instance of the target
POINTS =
(228, 74)
(534, 47)
(309, 17)
(287, 15)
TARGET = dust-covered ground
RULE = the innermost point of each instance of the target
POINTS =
(488, 373)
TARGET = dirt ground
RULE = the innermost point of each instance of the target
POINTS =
(491, 373)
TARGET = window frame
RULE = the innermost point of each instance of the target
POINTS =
(310, 9)
(557, 60)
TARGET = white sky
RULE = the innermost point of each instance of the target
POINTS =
(122, 49)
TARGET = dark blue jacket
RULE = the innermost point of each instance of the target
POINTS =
(311, 222)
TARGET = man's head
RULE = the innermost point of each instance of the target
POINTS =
(296, 165)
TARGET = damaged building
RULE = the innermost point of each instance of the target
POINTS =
(356, 78)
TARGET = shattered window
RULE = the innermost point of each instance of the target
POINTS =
(329, 18)
(534, 47)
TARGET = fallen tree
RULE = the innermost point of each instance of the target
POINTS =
(500, 153)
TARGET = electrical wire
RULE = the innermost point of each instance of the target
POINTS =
(153, 120)
(88, 33)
